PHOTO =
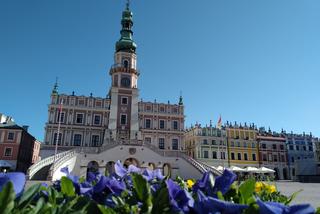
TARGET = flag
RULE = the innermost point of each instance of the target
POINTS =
(219, 124)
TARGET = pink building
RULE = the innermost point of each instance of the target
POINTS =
(18, 148)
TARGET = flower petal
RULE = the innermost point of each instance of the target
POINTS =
(133, 168)
(18, 180)
(224, 181)
(119, 169)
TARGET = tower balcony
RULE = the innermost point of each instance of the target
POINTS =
(122, 68)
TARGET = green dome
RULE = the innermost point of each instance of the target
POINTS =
(126, 42)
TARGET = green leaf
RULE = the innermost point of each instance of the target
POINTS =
(220, 195)
(293, 196)
(143, 192)
(246, 190)
(318, 210)
(7, 196)
(40, 204)
(161, 202)
(67, 187)
(28, 195)
(105, 210)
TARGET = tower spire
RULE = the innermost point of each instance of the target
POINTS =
(55, 88)
(126, 42)
(128, 5)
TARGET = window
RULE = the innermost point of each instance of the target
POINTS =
(232, 156)
(60, 117)
(148, 123)
(148, 108)
(161, 109)
(274, 146)
(223, 155)
(292, 159)
(161, 124)
(264, 157)
(281, 147)
(10, 135)
(253, 145)
(205, 141)
(77, 140)
(232, 144)
(310, 148)
(283, 159)
(161, 143)
(213, 142)
(123, 119)
(297, 147)
(8, 152)
(275, 158)
(238, 144)
(55, 138)
(291, 147)
(81, 102)
(98, 103)
(293, 172)
(175, 110)
(244, 144)
(175, 125)
(304, 148)
(97, 120)
(124, 100)
(245, 156)
(214, 155)
(95, 140)
(264, 146)
(125, 63)
(147, 139)
(239, 156)
(175, 144)
(254, 157)
(79, 118)
(205, 154)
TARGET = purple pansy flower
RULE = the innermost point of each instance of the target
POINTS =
(115, 186)
(18, 180)
(205, 204)
(73, 178)
(224, 181)
(180, 199)
(211, 185)
(122, 171)
(150, 175)
(275, 208)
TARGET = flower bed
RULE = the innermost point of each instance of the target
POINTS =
(134, 190)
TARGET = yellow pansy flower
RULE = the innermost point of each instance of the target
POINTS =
(190, 183)
(259, 186)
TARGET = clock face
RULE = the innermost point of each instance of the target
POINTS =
(125, 82)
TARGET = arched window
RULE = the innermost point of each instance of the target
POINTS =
(125, 63)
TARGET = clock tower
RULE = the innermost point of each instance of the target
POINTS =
(123, 120)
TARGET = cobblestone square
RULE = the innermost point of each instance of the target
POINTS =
(310, 193)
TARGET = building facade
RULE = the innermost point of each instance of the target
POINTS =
(207, 144)
(87, 121)
(17, 147)
(242, 145)
(273, 152)
(301, 154)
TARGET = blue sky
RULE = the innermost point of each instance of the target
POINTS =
(248, 60)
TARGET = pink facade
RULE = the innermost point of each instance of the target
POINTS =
(18, 147)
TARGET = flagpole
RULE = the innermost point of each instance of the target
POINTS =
(57, 138)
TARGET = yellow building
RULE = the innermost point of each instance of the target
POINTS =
(242, 145)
